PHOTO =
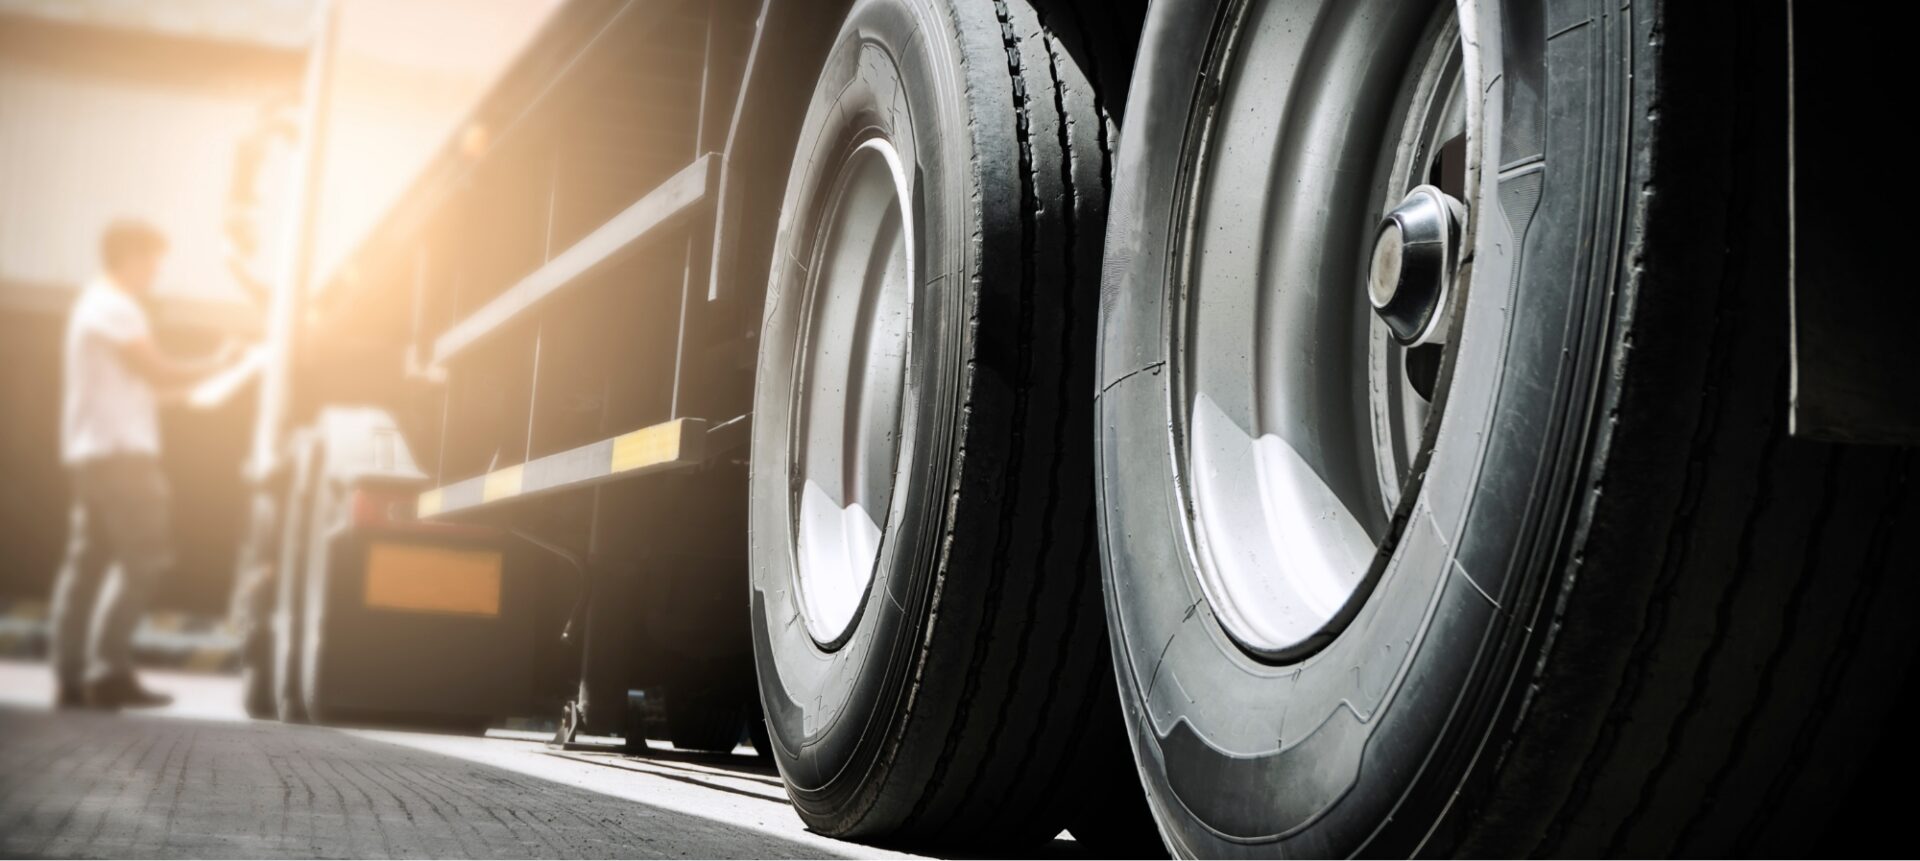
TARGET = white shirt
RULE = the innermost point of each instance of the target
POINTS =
(106, 407)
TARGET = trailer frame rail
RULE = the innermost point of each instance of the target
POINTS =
(668, 203)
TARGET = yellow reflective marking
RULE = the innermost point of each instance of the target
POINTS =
(429, 579)
(649, 446)
(429, 503)
(500, 484)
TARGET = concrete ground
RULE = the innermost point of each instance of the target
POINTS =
(200, 780)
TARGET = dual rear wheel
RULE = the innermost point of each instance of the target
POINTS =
(1402, 383)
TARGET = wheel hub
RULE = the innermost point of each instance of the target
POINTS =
(1414, 256)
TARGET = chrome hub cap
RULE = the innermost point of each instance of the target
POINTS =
(1413, 261)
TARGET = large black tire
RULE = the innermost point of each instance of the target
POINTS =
(321, 511)
(288, 617)
(757, 734)
(1623, 611)
(256, 674)
(962, 701)
(253, 605)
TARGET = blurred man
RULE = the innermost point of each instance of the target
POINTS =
(120, 540)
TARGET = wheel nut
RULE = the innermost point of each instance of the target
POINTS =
(1414, 255)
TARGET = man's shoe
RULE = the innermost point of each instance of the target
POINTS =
(123, 692)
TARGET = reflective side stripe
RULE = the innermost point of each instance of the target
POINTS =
(649, 446)
(502, 483)
(668, 445)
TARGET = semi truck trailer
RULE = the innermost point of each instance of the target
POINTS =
(1248, 427)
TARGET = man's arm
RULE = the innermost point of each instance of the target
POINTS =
(166, 372)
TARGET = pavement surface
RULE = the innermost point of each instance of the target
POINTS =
(200, 780)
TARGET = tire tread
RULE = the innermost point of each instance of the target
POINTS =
(1745, 663)
(1036, 706)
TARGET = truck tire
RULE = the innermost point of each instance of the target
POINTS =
(255, 596)
(256, 675)
(323, 509)
(925, 594)
(757, 735)
(1589, 598)
(289, 614)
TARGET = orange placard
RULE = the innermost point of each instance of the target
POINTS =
(427, 579)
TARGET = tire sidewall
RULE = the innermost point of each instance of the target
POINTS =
(289, 616)
(1355, 747)
(827, 710)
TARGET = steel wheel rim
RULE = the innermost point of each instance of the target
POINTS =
(849, 383)
(1294, 428)
(1401, 382)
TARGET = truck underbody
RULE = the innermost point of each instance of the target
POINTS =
(545, 322)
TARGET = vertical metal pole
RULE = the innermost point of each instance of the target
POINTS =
(295, 251)
(539, 333)
(1793, 237)
(686, 259)
(416, 324)
(533, 390)
(553, 201)
(422, 278)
